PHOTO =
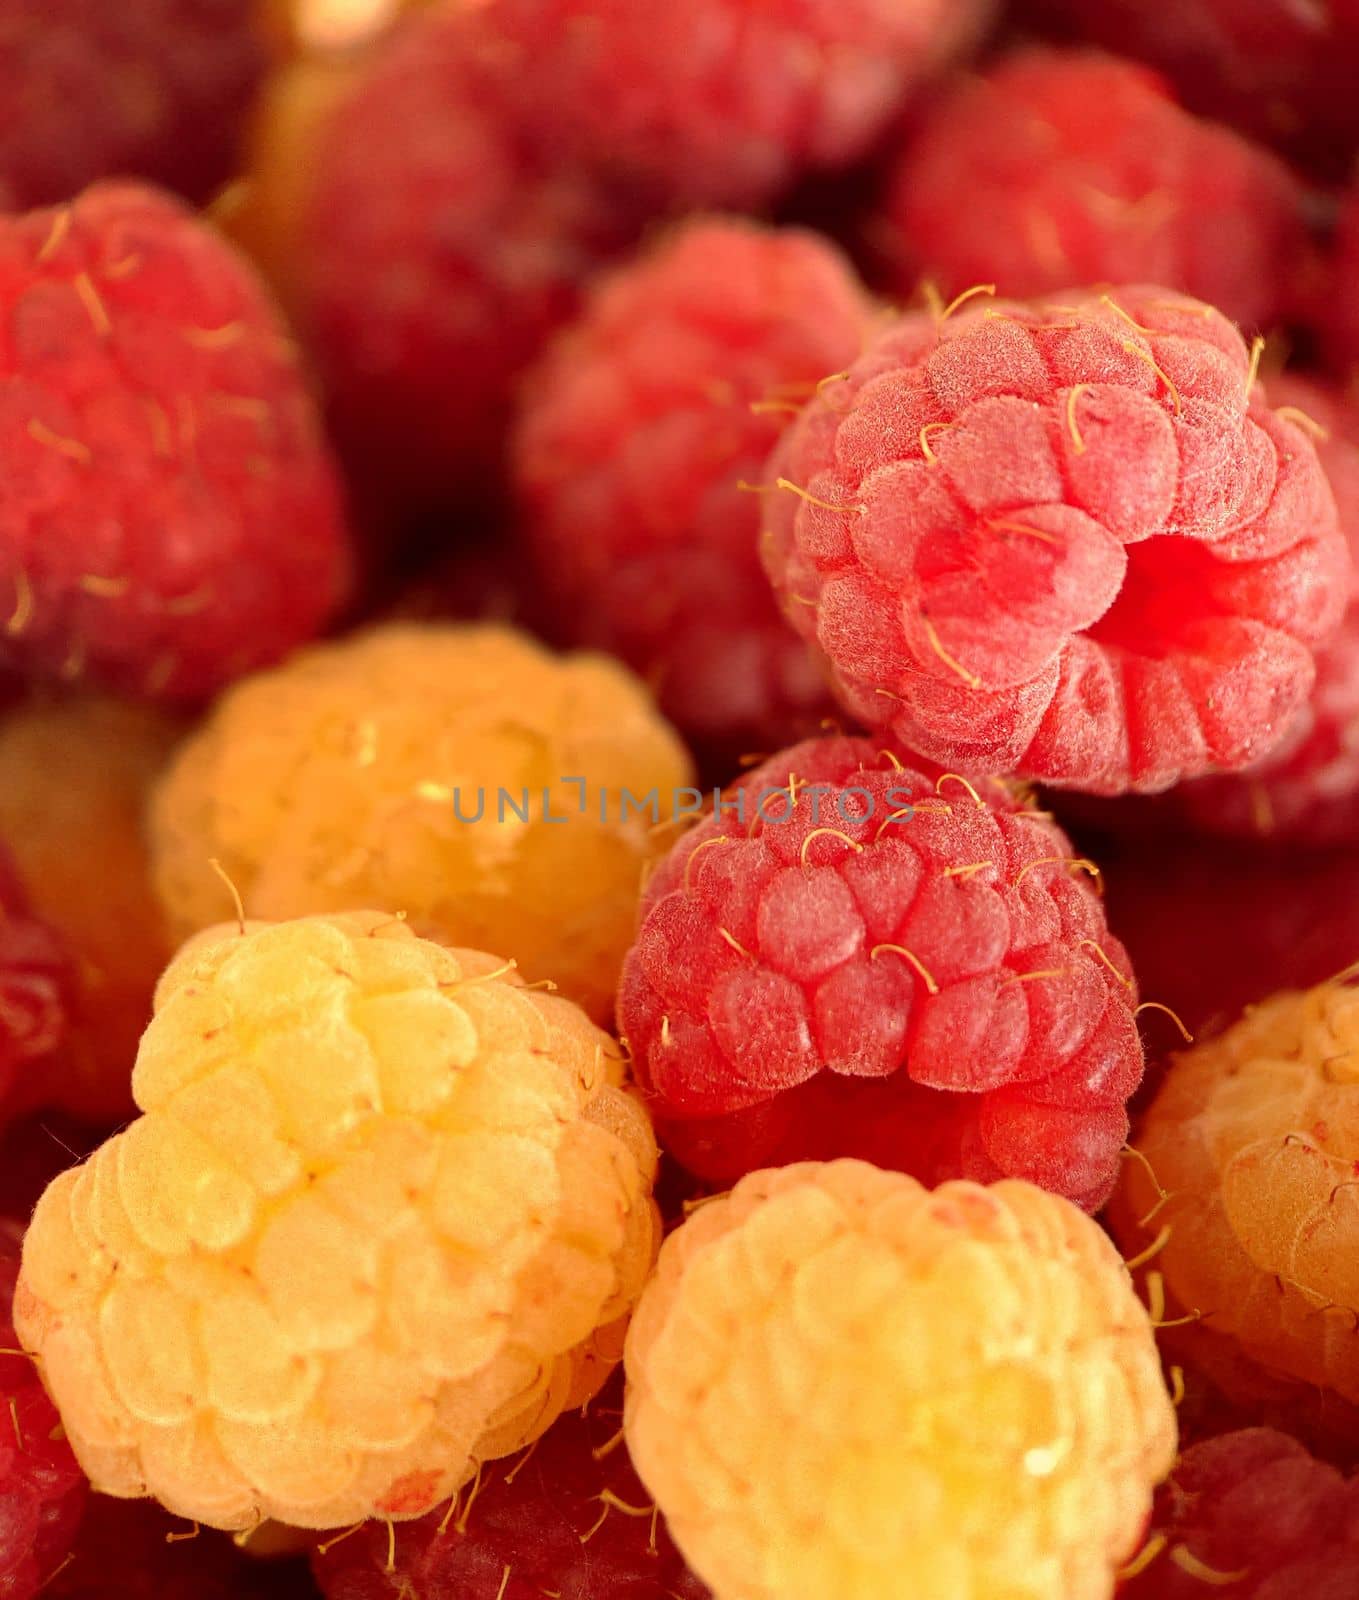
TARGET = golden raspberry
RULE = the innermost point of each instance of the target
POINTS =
(382, 1218)
(844, 1384)
(1251, 1182)
(74, 781)
(354, 775)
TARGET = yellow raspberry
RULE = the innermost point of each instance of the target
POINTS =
(1250, 1185)
(74, 782)
(382, 1218)
(355, 775)
(843, 1384)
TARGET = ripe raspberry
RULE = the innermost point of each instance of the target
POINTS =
(893, 968)
(725, 102)
(559, 1519)
(42, 1490)
(650, 545)
(406, 768)
(172, 518)
(1254, 1149)
(431, 253)
(1307, 788)
(1281, 69)
(90, 90)
(1060, 538)
(1255, 1514)
(1062, 167)
(37, 983)
(837, 1377)
(74, 781)
(380, 1220)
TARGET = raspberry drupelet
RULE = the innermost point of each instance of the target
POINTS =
(382, 1217)
(691, 356)
(1062, 537)
(171, 515)
(37, 995)
(726, 102)
(1061, 167)
(1254, 1515)
(1246, 1189)
(42, 1489)
(841, 1383)
(567, 1518)
(895, 966)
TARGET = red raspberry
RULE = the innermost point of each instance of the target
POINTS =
(170, 517)
(88, 90)
(893, 968)
(1338, 314)
(42, 1490)
(540, 1517)
(1281, 69)
(1060, 538)
(1254, 1515)
(435, 254)
(637, 433)
(37, 990)
(727, 102)
(1062, 167)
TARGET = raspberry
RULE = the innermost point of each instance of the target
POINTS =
(651, 545)
(37, 980)
(1282, 70)
(1253, 1512)
(1062, 167)
(1308, 788)
(379, 1220)
(42, 1490)
(89, 90)
(837, 1378)
(1339, 314)
(1248, 1179)
(1060, 538)
(431, 252)
(894, 968)
(726, 102)
(407, 768)
(560, 1519)
(74, 780)
(171, 516)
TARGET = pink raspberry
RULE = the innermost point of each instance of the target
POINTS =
(170, 516)
(37, 991)
(1281, 69)
(638, 431)
(569, 1517)
(1062, 167)
(895, 967)
(727, 102)
(42, 1490)
(1060, 537)
(1251, 1514)
(435, 255)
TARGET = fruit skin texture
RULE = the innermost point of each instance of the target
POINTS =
(37, 984)
(89, 90)
(381, 1216)
(1062, 167)
(42, 1490)
(1058, 538)
(1253, 1136)
(649, 544)
(75, 776)
(171, 517)
(721, 102)
(434, 254)
(901, 968)
(354, 773)
(533, 1514)
(840, 1383)
(1255, 1504)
